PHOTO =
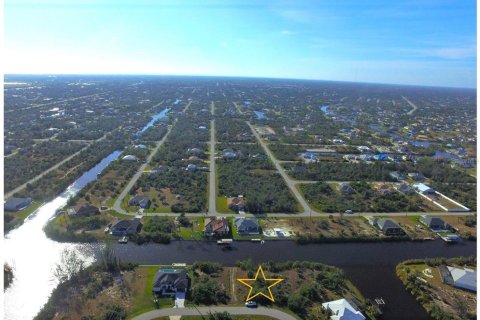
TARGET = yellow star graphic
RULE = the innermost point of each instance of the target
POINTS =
(272, 281)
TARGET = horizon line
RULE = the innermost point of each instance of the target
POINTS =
(241, 77)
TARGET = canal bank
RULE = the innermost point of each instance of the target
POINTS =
(33, 256)
(370, 266)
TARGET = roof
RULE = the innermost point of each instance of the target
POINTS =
(464, 278)
(387, 224)
(85, 208)
(422, 187)
(217, 224)
(126, 224)
(433, 221)
(342, 310)
(129, 157)
(177, 278)
(15, 202)
(246, 224)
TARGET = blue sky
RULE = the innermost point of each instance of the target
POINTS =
(409, 42)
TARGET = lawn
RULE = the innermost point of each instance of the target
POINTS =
(222, 205)
(141, 286)
(195, 232)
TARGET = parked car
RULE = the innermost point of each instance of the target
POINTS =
(250, 304)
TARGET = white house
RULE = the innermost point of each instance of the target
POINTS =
(464, 278)
(130, 157)
(343, 310)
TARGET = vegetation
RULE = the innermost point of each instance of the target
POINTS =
(440, 300)
(362, 199)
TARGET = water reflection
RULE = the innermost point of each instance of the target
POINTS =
(33, 256)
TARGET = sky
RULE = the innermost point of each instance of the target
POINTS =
(423, 42)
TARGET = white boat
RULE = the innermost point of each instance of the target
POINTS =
(123, 239)
(225, 241)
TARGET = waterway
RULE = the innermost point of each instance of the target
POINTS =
(260, 115)
(155, 118)
(33, 256)
(370, 266)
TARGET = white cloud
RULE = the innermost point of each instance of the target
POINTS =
(287, 33)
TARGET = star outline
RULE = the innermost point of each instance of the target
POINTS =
(269, 288)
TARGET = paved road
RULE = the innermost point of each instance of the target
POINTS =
(117, 205)
(288, 180)
(56, 166)
(260, 311)
(212, 195)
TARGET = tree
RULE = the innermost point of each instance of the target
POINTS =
(70, 264)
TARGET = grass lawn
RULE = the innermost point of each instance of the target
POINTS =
(141, 294)
(222, 205)
(195, 232)
(23, 214)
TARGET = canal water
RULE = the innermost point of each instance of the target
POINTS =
(155, 118)
(370, 266)
(33, 256)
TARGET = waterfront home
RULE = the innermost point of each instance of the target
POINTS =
(83, 209)
(126, 227)
(435, 224)
(247, 226)
(169, 282)
(464, 278)
(216, 226)
(140, 201)
(17, 204)
(343, 309)
(390, 227)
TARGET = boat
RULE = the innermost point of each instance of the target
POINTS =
(225, 241)
(450, 238)
(123, 239)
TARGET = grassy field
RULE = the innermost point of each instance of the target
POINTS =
(195, 232)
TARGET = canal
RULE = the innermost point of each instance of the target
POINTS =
(33, 256)
(370, 266)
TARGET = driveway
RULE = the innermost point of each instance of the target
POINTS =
(261, 311)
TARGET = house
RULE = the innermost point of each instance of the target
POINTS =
(247, 226)
(343, 309)
(216, 226)
(344, 187)
(83, 209)
(435, 224)
(405, 189)
(229, 154)
(191, 167)
(169, 282)
(416, 176)
(140, 201)
(380, 157)
(130, 157)
(464, 278)
(126, 227)
(398, 176)
(364, 149)
(390, 227)
(195, 151)
(236, 203)
(159, 169)
(17, 204)
(384, 189)
(423, 189)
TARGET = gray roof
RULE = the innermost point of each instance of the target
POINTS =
(385, 224)
(176, 278)
(245, 224)
(464, 278)
(14, 202)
